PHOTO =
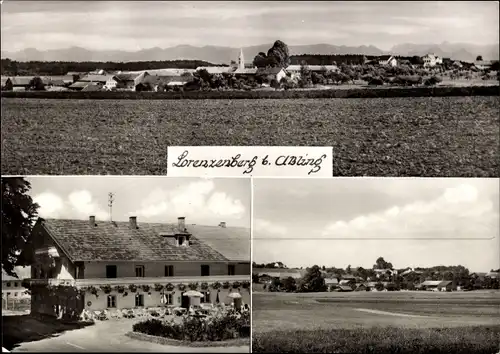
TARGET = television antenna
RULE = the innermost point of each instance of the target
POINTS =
(110, 205)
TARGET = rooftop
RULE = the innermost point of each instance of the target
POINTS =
(146, 242)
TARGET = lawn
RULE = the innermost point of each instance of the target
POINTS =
(426, 136)
(385, 321)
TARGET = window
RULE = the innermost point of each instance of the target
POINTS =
(111, 301)
(169, 270)
(139, 271)
(231, 269)
(8, 284)
(205, 270)
(139, 300)
(8, 293)
(111, 271)
(15, 294)
(167, 298)
(205, 298)
(15, 285)
(181, 240)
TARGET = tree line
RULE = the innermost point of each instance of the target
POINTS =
(57, 68)
(314, 279)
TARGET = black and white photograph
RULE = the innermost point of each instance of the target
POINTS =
(395, 88)
(376, 265)
(125, 264)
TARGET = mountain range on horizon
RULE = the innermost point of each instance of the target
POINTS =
(223, 55)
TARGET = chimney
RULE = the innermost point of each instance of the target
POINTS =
(182, 223)
(92, 220)
(132, 222)
(222, 224)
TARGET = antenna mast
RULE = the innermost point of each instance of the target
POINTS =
(110, 205)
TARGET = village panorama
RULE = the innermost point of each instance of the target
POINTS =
(393, 265)
(120, 271)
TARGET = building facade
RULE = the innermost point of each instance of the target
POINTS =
(431, 60)
(88, 265)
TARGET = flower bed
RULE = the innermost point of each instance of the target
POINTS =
(229, 325)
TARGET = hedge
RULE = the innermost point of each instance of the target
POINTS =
(371, 92)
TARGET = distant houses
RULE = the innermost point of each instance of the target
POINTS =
(431, 60)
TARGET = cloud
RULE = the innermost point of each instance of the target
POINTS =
(50, 204)
(78, 204)
(457, 213)
(81, 202)
(195, 200)
(262, 227)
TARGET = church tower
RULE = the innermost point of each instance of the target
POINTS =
(241, 60)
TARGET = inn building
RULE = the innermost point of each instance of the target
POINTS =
(128, 264)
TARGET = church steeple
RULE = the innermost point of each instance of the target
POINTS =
(241, 60)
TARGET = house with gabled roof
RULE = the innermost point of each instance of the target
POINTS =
(18, 83)
(387, 60)
(431, 60)
(129, 81)
(12, 286)
(118, 265)
(274, 73)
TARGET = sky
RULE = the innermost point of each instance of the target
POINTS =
(201, 201)
(340, 222)
(135, 25)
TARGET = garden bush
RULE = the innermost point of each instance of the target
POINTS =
(215, 328)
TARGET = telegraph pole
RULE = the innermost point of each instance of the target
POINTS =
(110, 205)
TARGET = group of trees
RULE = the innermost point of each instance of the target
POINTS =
(277, 56)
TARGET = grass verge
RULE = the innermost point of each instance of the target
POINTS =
(239, 342)
(461, 340)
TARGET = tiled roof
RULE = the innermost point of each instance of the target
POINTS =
(268, 71)
(250, 71)
(431, 283)
(79, 84)
(65, 78)
(117, 241)
(345, 288)
(95, 78)
(128, 76)
(92, 86)
(156, 79)
(21, 80)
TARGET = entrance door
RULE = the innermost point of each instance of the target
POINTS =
(185, 301)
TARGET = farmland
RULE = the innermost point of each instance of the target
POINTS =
(385, 322)
(420, 136)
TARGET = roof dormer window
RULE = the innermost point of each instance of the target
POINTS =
(181, 241)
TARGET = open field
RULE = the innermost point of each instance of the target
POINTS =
(354, 322)
(366, 309)
(426, 136)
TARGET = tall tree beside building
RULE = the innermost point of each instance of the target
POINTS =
(19, 213)
(382, 264)
(277, 56)
(312, 281)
